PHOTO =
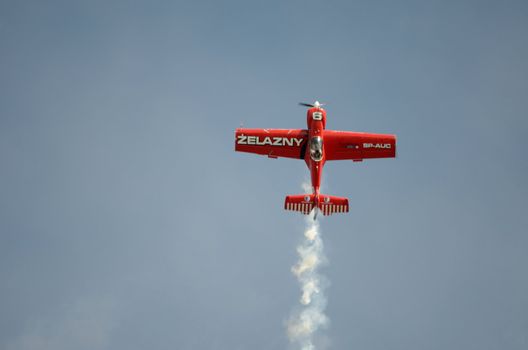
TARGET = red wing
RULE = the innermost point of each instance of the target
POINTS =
(274, 143)
(358, 145)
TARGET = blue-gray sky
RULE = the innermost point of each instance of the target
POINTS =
(128, 222)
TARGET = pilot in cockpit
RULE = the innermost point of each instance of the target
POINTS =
(316, 148)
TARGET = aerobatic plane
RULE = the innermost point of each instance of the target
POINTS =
(315, 146)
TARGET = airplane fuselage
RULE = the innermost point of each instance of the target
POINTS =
(316, 122)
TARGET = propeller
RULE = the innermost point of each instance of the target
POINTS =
(315, 104)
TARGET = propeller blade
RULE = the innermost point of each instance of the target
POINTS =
(306, 104)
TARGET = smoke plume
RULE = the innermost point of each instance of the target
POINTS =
(309, 316)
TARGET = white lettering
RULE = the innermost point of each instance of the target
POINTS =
(377, 145)
(317, 116)
(288, 142)
(271, 141)
(242, 139)
(261, 143)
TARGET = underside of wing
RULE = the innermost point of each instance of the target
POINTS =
(358, 145)
(274, 143)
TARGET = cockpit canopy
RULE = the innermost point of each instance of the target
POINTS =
(316, 148)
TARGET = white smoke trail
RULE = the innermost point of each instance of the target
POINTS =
(309, 317)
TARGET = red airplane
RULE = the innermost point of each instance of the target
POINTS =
(315, 145)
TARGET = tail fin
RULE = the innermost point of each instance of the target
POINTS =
(305, 203)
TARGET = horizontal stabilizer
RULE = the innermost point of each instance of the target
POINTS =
(304, 203)
(332, 204)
